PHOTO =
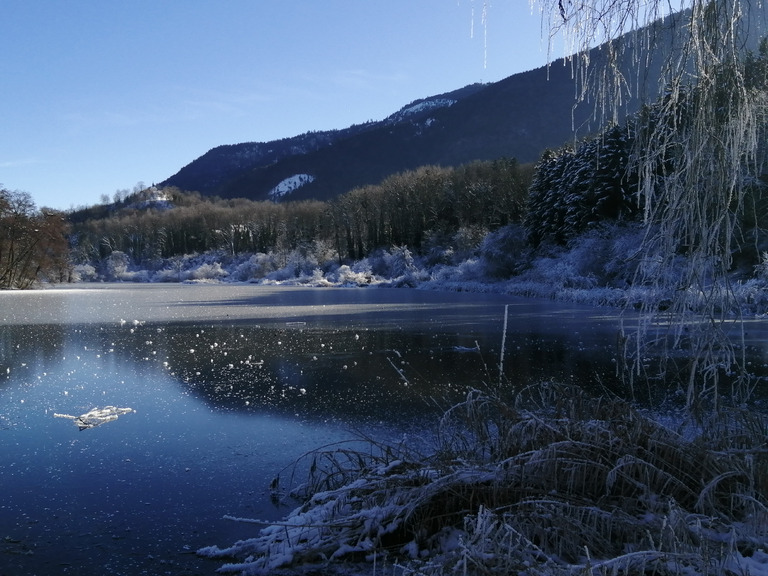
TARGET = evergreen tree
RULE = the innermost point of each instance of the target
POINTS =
(574, 190)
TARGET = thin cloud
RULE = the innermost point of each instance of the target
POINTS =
(181, 104)
(6, 164)
(360, 79)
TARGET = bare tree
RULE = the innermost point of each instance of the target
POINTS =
(33, 243)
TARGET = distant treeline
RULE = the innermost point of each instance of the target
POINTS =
(403, 210)
(570, 191)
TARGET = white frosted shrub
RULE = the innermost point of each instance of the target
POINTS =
(393, 263)
(559, 273)
(761, 269)
(324, 253)
(471, 269)
(282, 274)
(754, 294)
(117, 265)
(362, 267)
(208, 271)
(255, 267)
(412, 278)
(377, 262)
(83, 273)
(171, 275)
(505, 252)
(346, 276)
(467, 240)
(245, 270)
(302, 262)
(587, 254)
(601, 257)
(441, 257)
(136, 276)
(399, 261)
(437, 249)
(317, 278)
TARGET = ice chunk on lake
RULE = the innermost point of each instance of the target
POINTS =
(96, 417)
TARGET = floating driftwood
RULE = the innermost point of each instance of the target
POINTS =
(96, 417)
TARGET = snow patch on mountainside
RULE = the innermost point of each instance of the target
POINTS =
(420, 107)
(290, 184)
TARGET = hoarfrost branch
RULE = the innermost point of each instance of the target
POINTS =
(697, 153)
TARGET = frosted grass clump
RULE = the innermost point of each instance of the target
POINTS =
(545, 481)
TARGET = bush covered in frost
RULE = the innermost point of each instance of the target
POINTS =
(506, 252)
(84, 273)
(602, 266)
(116, 265)
(345, 275)
(208, 271)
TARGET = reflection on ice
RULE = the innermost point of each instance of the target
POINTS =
(96, 417)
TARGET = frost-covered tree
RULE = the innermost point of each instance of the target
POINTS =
(545, 219)
(576, 189)
(696, 160)
(612, 192)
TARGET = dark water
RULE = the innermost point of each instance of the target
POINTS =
(228, 386)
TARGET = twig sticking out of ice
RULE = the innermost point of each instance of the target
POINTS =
(503, 344)
(96, 417)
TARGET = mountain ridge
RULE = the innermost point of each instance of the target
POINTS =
(475, 122)
(211, 171)
(517, 117)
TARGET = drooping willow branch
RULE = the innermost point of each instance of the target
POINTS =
(696, 153)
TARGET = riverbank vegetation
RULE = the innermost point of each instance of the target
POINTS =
(541, 481)
(417, 209)
(33, 243)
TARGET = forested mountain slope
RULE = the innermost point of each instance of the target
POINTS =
(518, 117)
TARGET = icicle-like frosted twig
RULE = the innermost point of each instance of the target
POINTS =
(697, 154)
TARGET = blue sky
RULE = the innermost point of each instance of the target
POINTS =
(98, 96)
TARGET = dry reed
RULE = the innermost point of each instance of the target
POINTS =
(549, 481)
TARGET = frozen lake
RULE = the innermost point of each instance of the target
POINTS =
(229, 384)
